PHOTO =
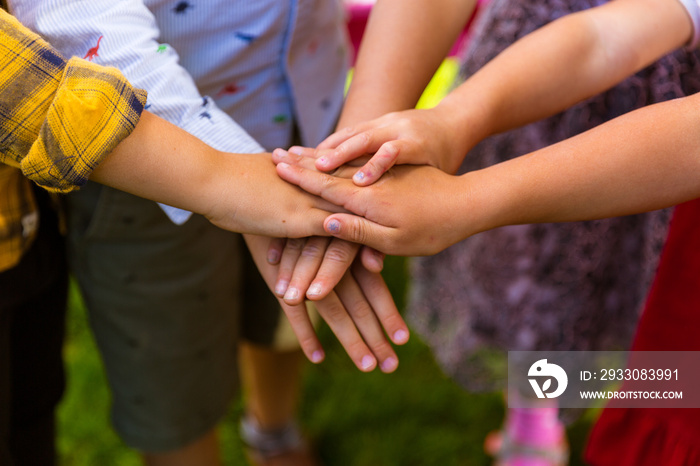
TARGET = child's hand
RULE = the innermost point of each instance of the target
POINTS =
(334, 267)
(244, 194)
(410, 211)
(412, 137)
(356, 310)
(309, 268)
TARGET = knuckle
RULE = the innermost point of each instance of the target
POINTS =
(313, 249)
(277, 242)
(365, 137)
(393, 321)
(340, 252)
(359, 231)
(390, 150)
(360, 311)
(357, 347)
(295, 244)
(372, 283)
(327, 182)
(392, 116)
(358, 142)
(332, 313)
(381, 347)
(404, 123)
(308, 341)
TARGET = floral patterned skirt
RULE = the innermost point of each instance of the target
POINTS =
(567, 286)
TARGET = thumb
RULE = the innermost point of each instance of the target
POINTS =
(360, 230)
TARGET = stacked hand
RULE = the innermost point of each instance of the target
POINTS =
(411, 137)
(410, 211)
(390, 216)
(352, 298)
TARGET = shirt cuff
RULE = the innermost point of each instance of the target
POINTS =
(93, 110)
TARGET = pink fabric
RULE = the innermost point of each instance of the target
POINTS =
(538, 427)
(670, 322)
(358, 13)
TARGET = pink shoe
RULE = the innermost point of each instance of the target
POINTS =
(531, 437)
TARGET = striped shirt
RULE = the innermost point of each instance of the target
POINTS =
(58, 119)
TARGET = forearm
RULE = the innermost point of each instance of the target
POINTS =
(642, 161)
(396, 61)
(237, 192)
(162, 162)
(563, 63)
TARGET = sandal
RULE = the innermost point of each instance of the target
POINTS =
(280, 447)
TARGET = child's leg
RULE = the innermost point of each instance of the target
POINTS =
(201, 452)
(271, 379)
(271, 366)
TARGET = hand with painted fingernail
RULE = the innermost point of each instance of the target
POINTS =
(412, 210)
(411, 137)
(355, 302)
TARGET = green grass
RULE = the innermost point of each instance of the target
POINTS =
(416, 416)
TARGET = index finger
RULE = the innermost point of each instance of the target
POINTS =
(338, 257)
(300, 322)
(356, 146)
(335, 190)
(332, 141)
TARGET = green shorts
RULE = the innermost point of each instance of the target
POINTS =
(165, 303)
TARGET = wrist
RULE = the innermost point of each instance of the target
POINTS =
(208, 178)
(488, 202)
(467, 123)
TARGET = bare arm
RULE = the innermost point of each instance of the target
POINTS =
(404, 43)
(570, 59)
(552, 68)
(645, 160)
(238, 192)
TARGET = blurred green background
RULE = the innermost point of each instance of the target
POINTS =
(413, 417)
(416, 416)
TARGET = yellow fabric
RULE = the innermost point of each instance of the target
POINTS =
(58, 119)
(18, 216)
(94, 109)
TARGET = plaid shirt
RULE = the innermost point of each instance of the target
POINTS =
(58, 119)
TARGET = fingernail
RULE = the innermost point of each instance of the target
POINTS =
(323, 161)
(314, 290)
(367, 362)
(296, 150)
(273, 256)
(334, 226)
(400, 336)
(281, 287)
(390, 364)
(378, 263)
(317, 357)
(292, 293)
(359, 176)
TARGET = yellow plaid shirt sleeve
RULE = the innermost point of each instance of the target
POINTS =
(58, 119)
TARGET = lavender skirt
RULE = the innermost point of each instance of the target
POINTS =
(571, 286)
